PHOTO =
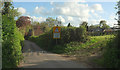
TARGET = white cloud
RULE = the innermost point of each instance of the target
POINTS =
(60, 18)
(83, 19)
(73, 20)
(51, 2)
(111, 22)
(97, 7)
(65, 0)
(92, 11)
(22, 10)
(36, 8)
(70, 18)
(113, 16)
(72, 9)
(39, 10)
(78, 1)
(108, 22)
(73, 12)
(93, 22)
(66, 9)
(97, 16)
(83, 1)
(39, 19)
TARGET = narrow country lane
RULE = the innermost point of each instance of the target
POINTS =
(34, 57)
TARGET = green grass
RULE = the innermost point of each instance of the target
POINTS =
(72, 47)
(96, 44)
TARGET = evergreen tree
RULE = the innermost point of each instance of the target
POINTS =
(69, 25)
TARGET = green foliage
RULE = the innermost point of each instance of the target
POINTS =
(110, 57)
(112, 54)
(6, 8)
(83, 33)
(44, 40)
(44, 27)
(9, 10)
(103, 24)
(84, 23)
(12, 39)
(11, 45)
(68, 35)
(94, 44)
(50, 21)
(24, 24)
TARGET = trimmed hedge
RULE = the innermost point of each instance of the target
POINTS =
(68, 34)
(12, 41)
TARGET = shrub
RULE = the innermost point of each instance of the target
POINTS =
(68, 34)
(111, 54)
(11, 44)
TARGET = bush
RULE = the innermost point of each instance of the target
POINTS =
(68, 34)
(111, 54)
(11, 44)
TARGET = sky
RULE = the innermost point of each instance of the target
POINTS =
(69, 12)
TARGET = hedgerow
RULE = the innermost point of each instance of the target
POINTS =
(68, 34)
(112, 53)
(12, 41)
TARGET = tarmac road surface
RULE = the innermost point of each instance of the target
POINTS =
(35, 57)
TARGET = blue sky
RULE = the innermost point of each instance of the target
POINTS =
(73, 12)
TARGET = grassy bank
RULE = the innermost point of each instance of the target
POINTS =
(94, 43)
(96, 50)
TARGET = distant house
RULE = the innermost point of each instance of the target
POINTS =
(108, 30)
(95, 30)
(98, 30)
(36, 31)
